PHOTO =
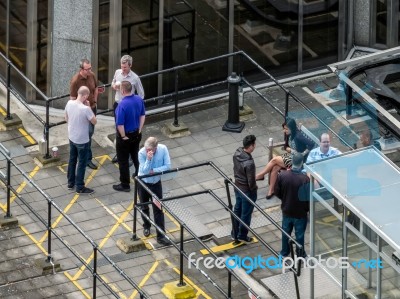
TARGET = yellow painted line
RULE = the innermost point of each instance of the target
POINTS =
(61, 168)
(144, 280)
(12, 56)
(27, 136)
(33, 239)
(113, 214)
(74, 199)
(326, 223)
(109, 234)
(199, 290)
(2, 111)
(77, 285)
(113, 287)
(330, 218)
(224, 247)
(24, 183)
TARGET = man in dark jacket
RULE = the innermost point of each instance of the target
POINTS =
(245, 179)
(292, 187)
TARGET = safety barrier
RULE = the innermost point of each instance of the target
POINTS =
(6, 180)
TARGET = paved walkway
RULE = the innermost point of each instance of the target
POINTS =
(106, 216)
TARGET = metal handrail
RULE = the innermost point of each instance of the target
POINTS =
(228, 181)
(51, 231)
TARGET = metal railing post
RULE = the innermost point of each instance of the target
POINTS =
(181, 282)
(230, 206)
(135, 200)
(8, 213)
(229, 284)
(176, 123)
(46, 130)
(49, 231)
(286, 105)
(94, 271)
(8, 116)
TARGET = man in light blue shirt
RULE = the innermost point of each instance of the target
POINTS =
(325, 150)
(153, 158)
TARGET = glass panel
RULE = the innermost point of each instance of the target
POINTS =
(381, 21)
(320, 38)
(104, 21)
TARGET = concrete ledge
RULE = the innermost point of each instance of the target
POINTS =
(46, 163)
(8, 221)
(128, 245)
(10, 124)
(172, 131)
(47, 267)
(172, 291)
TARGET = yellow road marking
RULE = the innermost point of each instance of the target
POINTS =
(20, 187)
(199, 290)
(103, 242)
(77, 285)
(326, 223)
(224, 247)
(74, 199)
(2, 111)
(144, 280)
(27, 136)
(113, 214)
(33, 239)
(114, 288)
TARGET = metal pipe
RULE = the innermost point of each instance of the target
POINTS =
(135, 202)
(233, 220)
(8, 116)
(49, 231)
(46, 131)
(181, 250)
(176, 123)
(8, 213)
(94, 271)
(286, 105)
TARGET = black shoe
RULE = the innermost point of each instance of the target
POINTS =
(70, 186)
(270, 196)
(119, 187)
(91, 165)
(247, 240)
(115, 159)
(146, 232)
(85, 190)
(163, 241)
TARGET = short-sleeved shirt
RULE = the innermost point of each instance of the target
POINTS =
(79, 117)
(131, 77)
(129, 111)
(316, 154)
(90, 82)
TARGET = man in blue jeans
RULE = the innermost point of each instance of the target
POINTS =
(292, 187)
(79, 116)
(244, 171)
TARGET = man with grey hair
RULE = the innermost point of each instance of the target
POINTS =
(292, 187)
(125, 74)
(153, 158)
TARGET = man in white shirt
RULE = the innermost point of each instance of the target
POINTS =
(125, 74)
(79, 115)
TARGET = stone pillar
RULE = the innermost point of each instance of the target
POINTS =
(362, 22)
(71, 39)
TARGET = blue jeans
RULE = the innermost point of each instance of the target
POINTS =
(299, 225)
(77, 154)
(243, 209)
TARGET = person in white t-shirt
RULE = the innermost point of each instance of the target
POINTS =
(79, 115)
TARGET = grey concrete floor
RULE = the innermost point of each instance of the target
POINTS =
(106, 216)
